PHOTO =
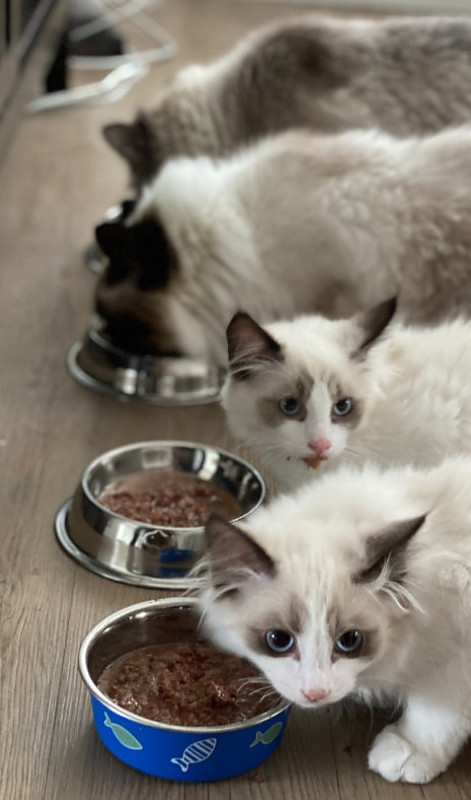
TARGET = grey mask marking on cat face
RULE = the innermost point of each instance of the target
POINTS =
(353, 418)
(269, 406)
(292, 621)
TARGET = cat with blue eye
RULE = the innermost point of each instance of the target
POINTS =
(358, 585)
(310, 394)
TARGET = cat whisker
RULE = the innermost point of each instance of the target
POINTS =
(255, 683)
(364, 453)
(268, 696)
(254, 679)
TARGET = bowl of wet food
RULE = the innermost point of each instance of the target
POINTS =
(168, 703)
(138, 512)
(98, 364)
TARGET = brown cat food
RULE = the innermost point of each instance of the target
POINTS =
(186, 684)
(313, 461)
(168, 497)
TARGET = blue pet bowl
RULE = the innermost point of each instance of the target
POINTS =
(169, 751)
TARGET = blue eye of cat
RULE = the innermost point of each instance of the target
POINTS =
(279, 641)
(289, 405)
(343, 407)
(349, 642)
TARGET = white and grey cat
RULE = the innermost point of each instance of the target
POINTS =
(297, 223)
(406, 76)
(311, 394)
(358, 585)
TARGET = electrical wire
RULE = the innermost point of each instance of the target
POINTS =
(125, 69)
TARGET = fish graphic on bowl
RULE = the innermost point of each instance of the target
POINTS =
(122, 734)
(195, 753)
(165, 750)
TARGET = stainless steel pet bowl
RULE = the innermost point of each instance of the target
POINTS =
(93, 255)
(169, 751)
(140, 553)
(159, 380)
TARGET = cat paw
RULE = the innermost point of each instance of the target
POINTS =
(396, 759)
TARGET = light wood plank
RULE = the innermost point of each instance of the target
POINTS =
(57, 181)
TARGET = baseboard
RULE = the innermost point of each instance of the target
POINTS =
(412, 7)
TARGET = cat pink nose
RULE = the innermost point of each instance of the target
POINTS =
(314, 695)
(320, 445)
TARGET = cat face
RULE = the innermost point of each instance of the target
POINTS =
(133, 296)
(308, 611)
(297, 389)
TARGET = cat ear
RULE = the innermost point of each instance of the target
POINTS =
(127, 140)
(118, 137)
(371, 324)
(249, 346)
(135, 143)
(385, 551)
(233, 556)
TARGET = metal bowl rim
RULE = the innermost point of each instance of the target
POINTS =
(168, 443)
(86, 379)
(161, 605)
(144, 358)
(103, 570)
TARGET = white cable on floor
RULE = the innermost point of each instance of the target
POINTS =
(113, 86)
(112, 15)
(126, 69)
(167, 48)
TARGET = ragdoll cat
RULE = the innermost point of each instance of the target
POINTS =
(359, 584)
(406, 76)
(297, 223)
(312, 393)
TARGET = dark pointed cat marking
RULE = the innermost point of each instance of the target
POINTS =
(141, 260)
(232, 554)
(372, 322)
(136, 251)
(249, 346)
(385, 551)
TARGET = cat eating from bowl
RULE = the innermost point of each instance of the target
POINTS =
(357, 586)
(402, 75)
(297, 223)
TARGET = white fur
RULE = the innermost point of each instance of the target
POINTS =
(302, 222)
(415, 384)
(316, 539)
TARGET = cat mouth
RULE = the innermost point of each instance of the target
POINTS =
(313, 462)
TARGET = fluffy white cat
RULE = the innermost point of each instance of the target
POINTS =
(298, 223)
(359, 584)
(311, 394)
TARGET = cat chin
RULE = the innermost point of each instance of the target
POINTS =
(291, 471)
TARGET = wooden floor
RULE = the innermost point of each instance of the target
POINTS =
(58, 179)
